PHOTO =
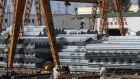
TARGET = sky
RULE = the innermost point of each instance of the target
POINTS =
(59, 7)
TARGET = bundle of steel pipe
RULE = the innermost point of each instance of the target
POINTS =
(124, 38)
(112, 46)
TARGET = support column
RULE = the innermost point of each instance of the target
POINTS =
(93, 16)
(103, 17)
(118, 8)
(2, 11)
(27, 11)
(47, 14)
(18, 14)
(38, 12)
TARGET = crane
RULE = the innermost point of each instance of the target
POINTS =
(38, 12)
(93, 16)
(2, 11)
(13, 4)
(103, 16)
(46, 11)
(118, 9)
(27, 11)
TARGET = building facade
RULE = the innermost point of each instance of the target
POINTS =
(59, 21)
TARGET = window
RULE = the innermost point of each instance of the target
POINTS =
(33, 20)
(116, 23)
(29, 21)
(5, 20)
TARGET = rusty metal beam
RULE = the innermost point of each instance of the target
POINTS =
(18, 14)
(27, 11)
(118, 8)
(2, 11)
(38, 12)
(84, 1)
(93, 17)
(13, 4)
(46, 11)
(103, 17)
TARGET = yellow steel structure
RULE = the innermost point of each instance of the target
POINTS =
(19, 10)
(47, 14)
(46, 10)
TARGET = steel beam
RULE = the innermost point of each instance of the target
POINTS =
(18, 14)
(93, 17)
(2, 11)
(38, 12)
(13, 4)
(118, 8)
(84, 1)
(46, 11)
(27, 11)
(103, 17)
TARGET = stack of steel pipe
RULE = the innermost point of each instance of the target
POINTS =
(74, 57)
(117, 50)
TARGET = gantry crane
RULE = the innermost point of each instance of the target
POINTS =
(103, 5)
(103, 16)
(27, 11)
(46, 11)
(118, 9)
(93, 16)
(2, 11)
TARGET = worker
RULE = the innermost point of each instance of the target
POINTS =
(55, 72)
(6, 38)
(102, 72)
(67, 69)
(13, 75)
(82, 24)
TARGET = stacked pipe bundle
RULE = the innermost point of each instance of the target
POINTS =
(34, 51)
(117, 51)
(113, 58)
(73, 54)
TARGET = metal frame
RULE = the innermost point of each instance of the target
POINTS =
(2, 7)
(19, 10)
